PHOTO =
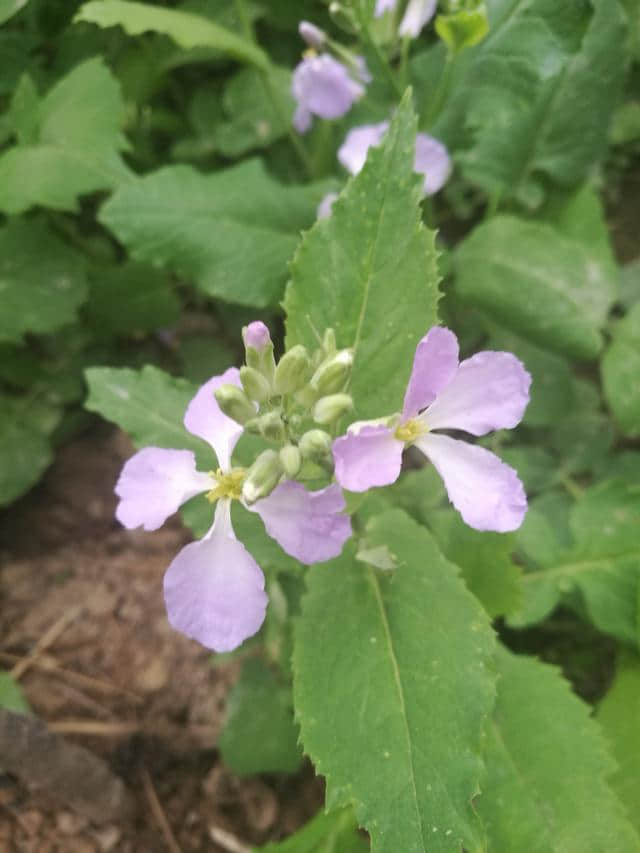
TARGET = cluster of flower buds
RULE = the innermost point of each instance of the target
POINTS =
(291, 404)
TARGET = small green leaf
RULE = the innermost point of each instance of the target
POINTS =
(618, 714)
(232, 232)
(350, 268)
(621, 373)
(11, 696)
(76, 150)
(463, 29)
(8, 8)
(381, 661)
(25, 451)
(40, 291)
(264, 742)
(545, 790)
(335, 832)
(553, 290)
(186, 29)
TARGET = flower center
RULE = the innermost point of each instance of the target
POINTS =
(410, 430)
(227, 485)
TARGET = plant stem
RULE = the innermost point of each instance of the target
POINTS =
(441, 92)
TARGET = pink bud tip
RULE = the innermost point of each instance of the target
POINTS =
(256, 335)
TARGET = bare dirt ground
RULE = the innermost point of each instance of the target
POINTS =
(82, 623)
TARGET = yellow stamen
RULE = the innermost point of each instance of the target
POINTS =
(409, 431)
(227, 485)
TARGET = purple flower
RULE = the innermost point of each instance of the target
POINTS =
(418, 13)
(324, 208)
(486, 392)
(314, 36)
(431, 158)
(383, 6)
(214, 589)
(322, 86)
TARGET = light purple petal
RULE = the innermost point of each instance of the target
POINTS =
(154, 483)
(434, 366)
(324, 208)
(486, 492)
(417, 14)
(368, 457)
(309, 526)
(256, 335)
(321, 85)
(489, 391)
(383, 6)
(205, 419)
(432, 160)
(214, 591)
(353, 151)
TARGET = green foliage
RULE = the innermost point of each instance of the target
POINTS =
(380, 663)
(25, 452)
(68, 141)
(618, 715)
(232, 232)
(8, 8)
(335, 832)
(553, 291)
(372, 246)
(545, 790)
(265, 742)
(186, 29)
(11, 697)
(621, 373)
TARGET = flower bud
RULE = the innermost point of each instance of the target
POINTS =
(315, 446)
(292, 370)
(314, 36)
(333, 373)
(291, 460)
(255, 385)
(234, 403)
(256, 335)
(271, 427)
(329, 341)
(331, 408)
(262, 477)
(259, 349)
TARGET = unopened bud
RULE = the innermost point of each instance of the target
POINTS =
(315, 446)
(291, 460)
(331, 408)
(262, 477)
(255, 385)
(234, 403)
(333, 373)
(259, 349)
(314, 36)
(271, 427)
(256, 336)
(329, 341)
(292, 370)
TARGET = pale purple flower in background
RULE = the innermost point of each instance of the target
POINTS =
(431, 157)
(214, 589)
(417, 14)
(324, 87)
(486, 392)
(312, 35)
(383, 6)
(324, 208)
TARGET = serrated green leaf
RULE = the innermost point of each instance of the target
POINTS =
(484, 559)
(621, 373)
(350, 268)
(380, 663)
(618, 715)
(535, 466)
(547, 765)
(148, 404)
(11, 696)
(40, 291)
(544, 535)
(583, 437)
(232, 232)
(185, 28)
(78, 140)
(264, 742)
(602, 565)
(25, 451)
(553, 291)
(335, 832)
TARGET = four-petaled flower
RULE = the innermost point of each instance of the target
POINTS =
(486, 392)
(214, 589)
(324, 87)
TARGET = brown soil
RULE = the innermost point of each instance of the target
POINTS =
(115, 678)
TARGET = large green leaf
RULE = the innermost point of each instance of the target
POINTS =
(40, 290)
(185, 28)
(8, 8)
(369, 272)
(382, 662)
(75, 145)
(25, 451)
(621, 373)
(232, 232)
(260, 743)
(602, 566)
(548, 288)
(335, 832)
(545, 790)
(618, 714)
(549, 75)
